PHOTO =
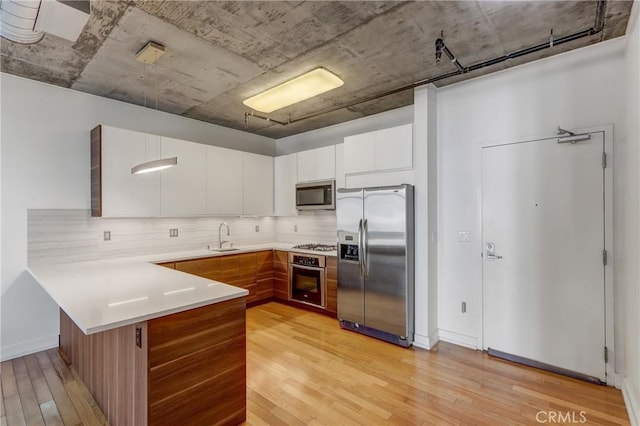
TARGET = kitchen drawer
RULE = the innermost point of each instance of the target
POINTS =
(207, 268)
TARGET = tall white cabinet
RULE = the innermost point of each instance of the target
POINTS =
(224, 181)
(115, 192)
(257, 173)
(284, 179)
(183, 187)
(317, 164)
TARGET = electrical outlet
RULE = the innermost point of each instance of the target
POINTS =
(295, 228)
(257, 228)
(107, 235)
(173, 232)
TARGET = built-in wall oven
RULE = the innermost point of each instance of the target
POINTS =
(307, 279)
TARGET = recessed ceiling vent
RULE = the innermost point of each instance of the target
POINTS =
(26, 21)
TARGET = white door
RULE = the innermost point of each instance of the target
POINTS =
(543, 210)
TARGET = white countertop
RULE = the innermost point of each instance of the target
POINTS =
(196, 254)
(106, 294)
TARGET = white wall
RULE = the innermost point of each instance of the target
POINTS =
(581, 88)
(627, 261)
(45, 165)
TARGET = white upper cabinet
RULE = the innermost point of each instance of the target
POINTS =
(285, 168)
(387, 149)
(306, 166)
(359, 153)
(257, 173)
(340, 179)
(317, 164)
(207, 180)
(119, 193)
(224, 181)
(183, 187)
(394, 148)
(325, 162)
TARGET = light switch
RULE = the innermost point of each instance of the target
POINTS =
(464, 236)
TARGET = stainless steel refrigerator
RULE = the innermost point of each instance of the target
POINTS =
(375, 262)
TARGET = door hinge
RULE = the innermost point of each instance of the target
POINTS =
(604, 257)
(606, 355)
(604, 160)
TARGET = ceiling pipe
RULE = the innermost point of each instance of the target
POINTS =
(596, 29)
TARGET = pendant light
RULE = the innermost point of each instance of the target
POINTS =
(150, 54)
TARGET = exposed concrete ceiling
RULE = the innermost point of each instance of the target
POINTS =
(220, 53)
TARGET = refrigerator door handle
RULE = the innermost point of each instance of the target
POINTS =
(365, 247)
(360, 254)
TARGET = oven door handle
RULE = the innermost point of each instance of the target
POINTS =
(309, 268)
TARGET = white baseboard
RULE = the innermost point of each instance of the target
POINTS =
(631, 401)
(21, 349)
(458, 339)
(424, 342)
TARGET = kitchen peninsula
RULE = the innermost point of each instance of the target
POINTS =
(153, 345)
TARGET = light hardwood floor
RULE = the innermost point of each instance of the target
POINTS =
(303, 370)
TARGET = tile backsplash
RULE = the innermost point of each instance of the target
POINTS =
(308, 227)
(59, 236)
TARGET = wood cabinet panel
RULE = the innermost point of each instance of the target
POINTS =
(280, 275)
(264, 261)
(264, 275)
(197, 365)
(112, 367)
(265, 288)
(170, 265)
(251, 271)
(207, 268)
(247, 269)
(332, 284)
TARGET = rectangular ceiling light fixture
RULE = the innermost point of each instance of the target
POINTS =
(293, 91)
(150, 53)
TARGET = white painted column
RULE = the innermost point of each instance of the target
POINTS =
(426, 216)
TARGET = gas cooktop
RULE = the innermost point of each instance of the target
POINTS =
(317, 247)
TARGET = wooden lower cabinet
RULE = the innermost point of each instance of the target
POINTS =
(265, 274)
(189, 370)
(281, 275)
(251, 271)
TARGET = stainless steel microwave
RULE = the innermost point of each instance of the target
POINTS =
(316, 195)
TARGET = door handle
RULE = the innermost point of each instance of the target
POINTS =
(491, 252)
(365, 245)
(360, 253)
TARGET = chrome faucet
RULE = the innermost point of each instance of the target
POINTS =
(220, 242)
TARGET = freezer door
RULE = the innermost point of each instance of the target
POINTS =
(349, 205)
(388, 259)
